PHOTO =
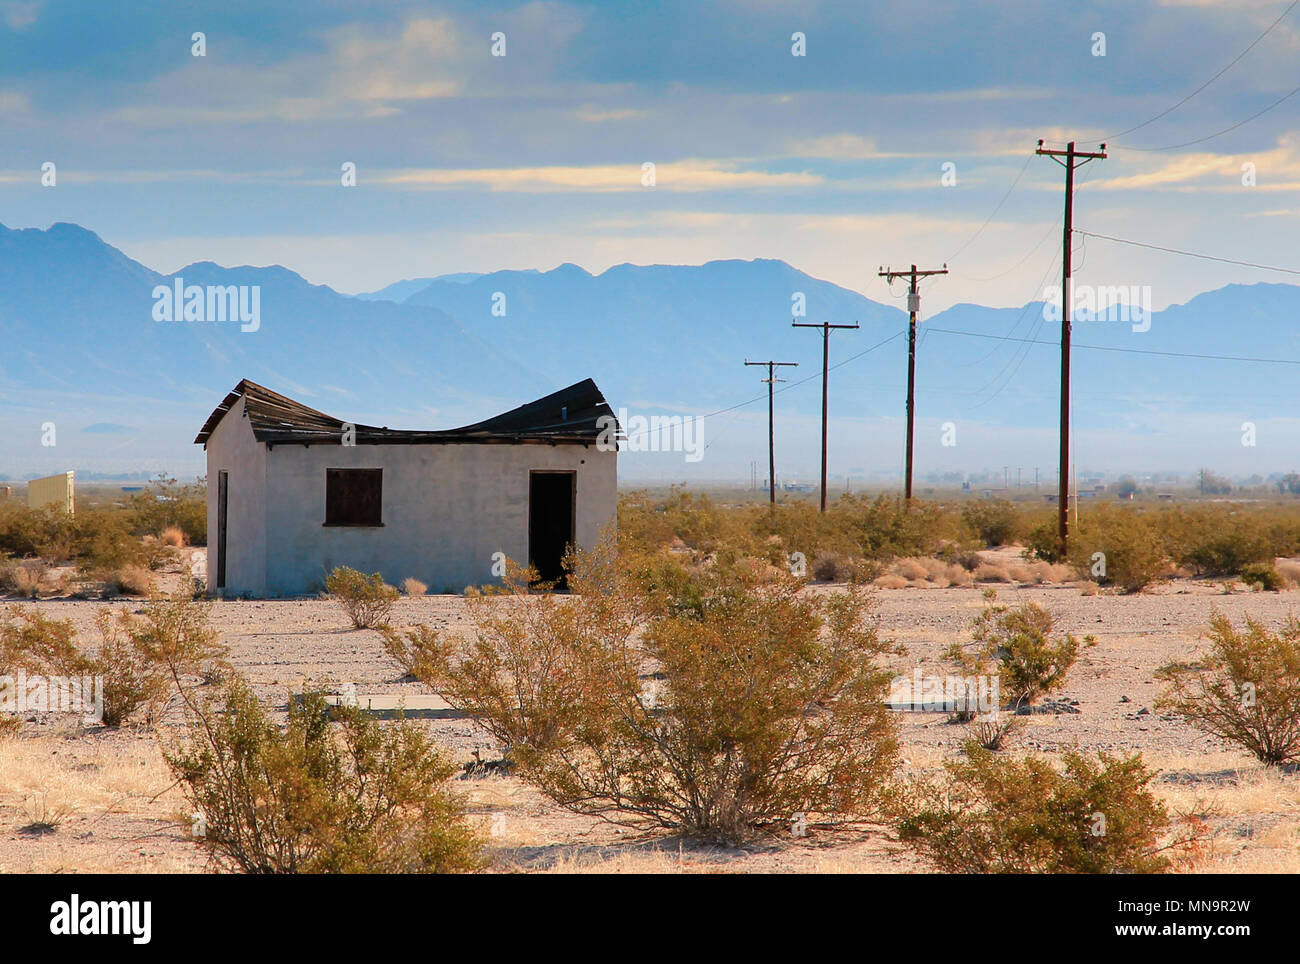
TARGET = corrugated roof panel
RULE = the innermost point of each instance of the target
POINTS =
(570, 416)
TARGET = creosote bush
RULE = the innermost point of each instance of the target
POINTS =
(354, 796)
(1132, 552)
(139, 658)
(1017, 645)
(367, 600)
(1263, 575)
(1246, 690)
(712, 702)
(1002, 815)
(995, 522)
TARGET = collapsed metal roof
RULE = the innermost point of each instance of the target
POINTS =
(567, 417)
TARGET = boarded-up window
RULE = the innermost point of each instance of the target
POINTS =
(354, 497)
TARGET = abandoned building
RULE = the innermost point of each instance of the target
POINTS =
(293, 493)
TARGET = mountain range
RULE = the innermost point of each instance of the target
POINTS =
(80, 347)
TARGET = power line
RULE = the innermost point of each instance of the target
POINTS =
(989, 218)
(1190, 254)
(1132, 351)
(1209, 137)
(1232, 63)
(795, 384)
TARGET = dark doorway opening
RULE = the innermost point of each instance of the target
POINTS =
(223, 499)
(551, 498)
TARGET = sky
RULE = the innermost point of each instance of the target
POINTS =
(833, 160)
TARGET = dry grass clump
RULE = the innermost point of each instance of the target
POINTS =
(174, 537)
(1289, 569)
(891, 580)
(911, 569)
(991, 572)
(23, 578)
(1018, 572)
(1088, 588)
(413, 587)
(129, 581)
(1053, 572)
(957, 575)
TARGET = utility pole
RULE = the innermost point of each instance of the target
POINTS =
(913, 306)
(826, 369)
(1073, 159)
(771, 437)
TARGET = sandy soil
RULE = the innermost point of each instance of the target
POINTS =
(111, 797)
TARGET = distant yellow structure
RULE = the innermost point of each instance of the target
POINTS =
(55, 490)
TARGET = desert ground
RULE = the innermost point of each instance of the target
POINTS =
(115, 808)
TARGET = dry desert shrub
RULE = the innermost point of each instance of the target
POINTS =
(832, 567)
(994, 522)
(1119, 547)
(890, 581)
(707, 703)
(1246, 690)
(1017, 645)
(1262, 576)
(367, 600)
(1088, 588)
(413, 587)
(137, 660)
(316, 796)
(413, 649)
(173, 536)
(994, 730)
(997, 814)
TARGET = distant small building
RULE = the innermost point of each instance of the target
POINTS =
(294, 493)
(6, 492)
(57, 491)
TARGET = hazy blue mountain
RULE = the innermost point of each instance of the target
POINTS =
(81, 348)
(399, 291)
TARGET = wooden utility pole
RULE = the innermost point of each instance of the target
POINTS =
(771, 436)
(913, 307)
(1073, 159)
(826, 370)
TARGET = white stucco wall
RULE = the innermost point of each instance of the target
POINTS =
(233, 448)
(446, 509)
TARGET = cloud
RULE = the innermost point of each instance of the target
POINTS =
(363, 72)
(690, 175)
(19, 15)
(109, 428)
